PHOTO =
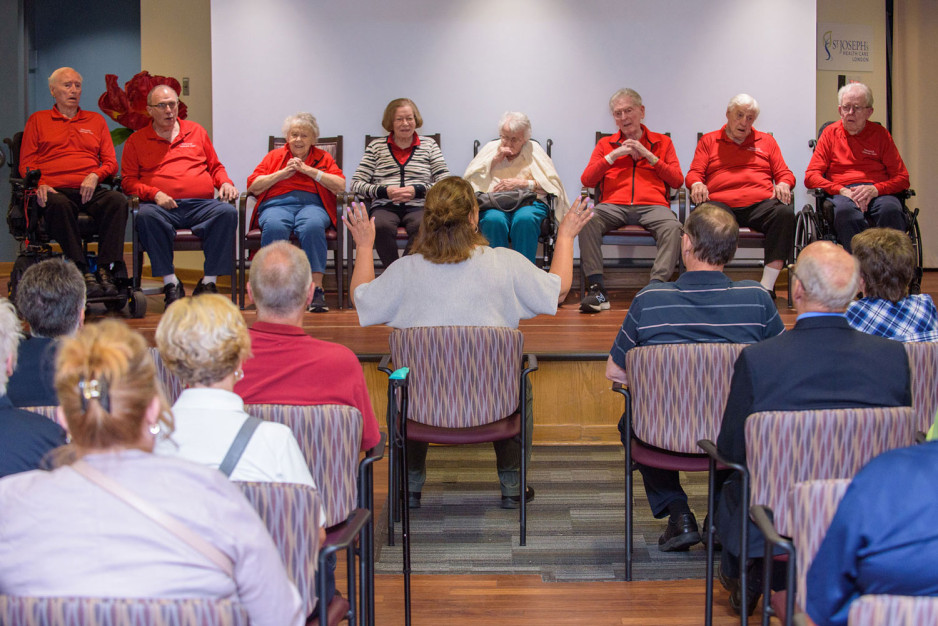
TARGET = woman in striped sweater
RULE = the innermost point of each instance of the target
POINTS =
(395, 173)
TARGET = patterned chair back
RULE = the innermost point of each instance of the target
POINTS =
(44, 410)
(813, 504)
(923, 363)
(50, 611)
(679, 392)
(893, 610)
(460, 376)
(291, 514)
(786, 447)
(172, 386)
(330, 437)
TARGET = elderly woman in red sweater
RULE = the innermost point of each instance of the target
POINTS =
(296, 187)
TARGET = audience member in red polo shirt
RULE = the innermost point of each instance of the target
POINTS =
(633, 170)
(172, 166)
(289, 366)
(858, 164)
(73, 150)
(741, 169)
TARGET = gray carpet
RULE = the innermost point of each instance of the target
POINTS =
(576, 523)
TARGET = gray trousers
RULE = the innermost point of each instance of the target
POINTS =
(659, 220)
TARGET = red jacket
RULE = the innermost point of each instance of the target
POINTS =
(276, 159)
(739, 175)
(186, 168)
(842, 159)
(628, 182)
(67, 150)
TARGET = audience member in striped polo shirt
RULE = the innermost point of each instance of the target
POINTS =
(702, 305)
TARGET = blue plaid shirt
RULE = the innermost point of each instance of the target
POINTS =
(913, 318)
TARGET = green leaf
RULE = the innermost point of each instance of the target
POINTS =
(120, 135)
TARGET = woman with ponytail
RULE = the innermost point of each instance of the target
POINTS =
(115, 520)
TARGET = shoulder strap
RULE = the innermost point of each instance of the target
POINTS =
(238, 445)
(183, 532)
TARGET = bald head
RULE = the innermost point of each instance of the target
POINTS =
(828, 276)
(280, 280)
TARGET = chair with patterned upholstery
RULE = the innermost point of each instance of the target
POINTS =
(466, 385)
(674, 397)
(876, 610)
(786, 447)
(172, 386)
(53, 611)
(923, 365)
(329, 436)
(813, 505)
(44, 410)
(249, 237)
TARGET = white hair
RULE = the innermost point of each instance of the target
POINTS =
(11, 331)
(743, 101)
(303, 120)
(625, 92)
(54, 76)
(515, 121)
(843, 91)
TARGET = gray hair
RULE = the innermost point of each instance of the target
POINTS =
(303, 120)
(515, 121)
(152, 91)
(829, 274)
(625, 92)
(843, 91)
(54, 76)
(51, 297)
(280, 278)
(11, 331)
(743, 101)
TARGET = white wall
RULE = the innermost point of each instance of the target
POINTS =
(464, 62)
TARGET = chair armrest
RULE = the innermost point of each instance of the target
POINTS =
(763, 518)
(344, 533)
(383, 365)
(920, 437)
(531, 361)
(710, 448)
(621, 388)
(376, 453)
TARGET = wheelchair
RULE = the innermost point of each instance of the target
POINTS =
(814, 223)
(25, 221)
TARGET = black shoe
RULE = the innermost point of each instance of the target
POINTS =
(106, 280)
(596, 300)
(413, 500)
(171, 293)
(318, 305)
(680, 534)
(717, 545)
(753, 588)
(204, 287)
(93, 289)
(514, 502)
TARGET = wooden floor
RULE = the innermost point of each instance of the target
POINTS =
(568, 337)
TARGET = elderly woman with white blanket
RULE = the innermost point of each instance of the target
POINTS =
(516, 175)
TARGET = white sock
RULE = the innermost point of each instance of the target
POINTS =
(209, 279)
(170, 279)
(769, 275)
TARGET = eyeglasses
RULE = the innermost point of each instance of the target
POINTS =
(404, 120)
(851, 108)
(164, 106)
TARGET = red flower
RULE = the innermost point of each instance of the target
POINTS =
(129, 106)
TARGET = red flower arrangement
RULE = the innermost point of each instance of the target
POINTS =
(129, 106)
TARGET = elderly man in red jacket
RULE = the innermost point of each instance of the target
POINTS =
(741, 170)
(172, 166)
(634, 169)
(858, 164)
(73, 150)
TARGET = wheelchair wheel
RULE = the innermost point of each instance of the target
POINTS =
(915, 234)
(806, 229)
(137, 305)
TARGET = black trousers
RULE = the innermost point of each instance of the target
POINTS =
(388, 218)
(773, 219)
(107, 208)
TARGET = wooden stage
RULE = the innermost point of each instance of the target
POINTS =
(572, 398)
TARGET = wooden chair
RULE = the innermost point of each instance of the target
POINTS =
(53, 611)
(786, 447)
(674, 397)
(548, 234)
(249, 239)
(401, 236)
(329, 437)
(923, 366)
(632, 234)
